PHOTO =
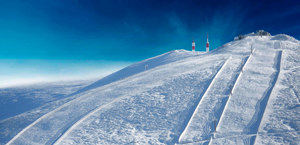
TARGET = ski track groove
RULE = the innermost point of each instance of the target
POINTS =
(264, 101)
(73, 125)
(232, 90)
(46, 115)
(38, 120)
(198, 104)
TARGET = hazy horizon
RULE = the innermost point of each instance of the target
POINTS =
(26, 72)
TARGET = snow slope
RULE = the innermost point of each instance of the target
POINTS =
(10, 127)
(21, 105)
(207, 114)
(13, 100)
(231, 95)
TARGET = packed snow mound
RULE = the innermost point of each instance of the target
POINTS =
(245, 92)
(284, 37)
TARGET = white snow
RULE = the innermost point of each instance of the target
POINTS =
(226, 96)
(206, 116)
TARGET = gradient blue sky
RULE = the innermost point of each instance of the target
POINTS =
(110, 34)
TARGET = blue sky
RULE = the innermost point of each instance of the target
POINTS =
(35, 34)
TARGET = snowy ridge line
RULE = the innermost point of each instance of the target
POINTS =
(232, 91)
(239, 77)
(205, 93)
(235, 81)
(264, 101)
(72, 126)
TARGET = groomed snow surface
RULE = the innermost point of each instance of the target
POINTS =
(245, 92)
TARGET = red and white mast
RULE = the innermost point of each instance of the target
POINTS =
(207, 44)
(193, 46)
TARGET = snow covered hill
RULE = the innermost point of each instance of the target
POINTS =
(245, 92)
(21, 105)
(14, 99)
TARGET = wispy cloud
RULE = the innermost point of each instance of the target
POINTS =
(24, 72)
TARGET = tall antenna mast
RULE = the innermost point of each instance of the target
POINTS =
(193, 46)
(207, 43)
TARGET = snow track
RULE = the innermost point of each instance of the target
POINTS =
(243, 112)
(261, 106)
(231, 92)
(35, 122)
(210, 108)
(199, 102)
(69, 128)
(280, 122)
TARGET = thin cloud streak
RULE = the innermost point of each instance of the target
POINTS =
(25, 72)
